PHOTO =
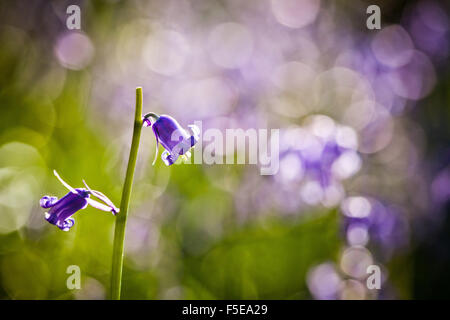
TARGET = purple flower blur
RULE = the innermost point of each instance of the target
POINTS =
(176, 140)
(386, 226)
(77, 199)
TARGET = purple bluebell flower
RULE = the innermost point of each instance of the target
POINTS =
(387, 227)
(77, 199)
(171, 135)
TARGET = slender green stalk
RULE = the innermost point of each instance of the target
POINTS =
(121, 219)
(151, 114)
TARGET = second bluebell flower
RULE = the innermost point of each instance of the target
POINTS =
(172, 136)
(60, 211)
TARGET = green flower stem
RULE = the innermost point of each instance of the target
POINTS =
(121, 218)
(151, 114)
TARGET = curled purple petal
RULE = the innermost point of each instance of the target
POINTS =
(66, 224)
(168, 158)
(48, 201)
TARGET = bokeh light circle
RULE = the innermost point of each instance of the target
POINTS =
(74, 50)
(230, 45)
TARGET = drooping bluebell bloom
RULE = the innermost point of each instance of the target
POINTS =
(171, 135)
(77, 199)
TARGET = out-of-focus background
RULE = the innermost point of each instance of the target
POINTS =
(364, 173)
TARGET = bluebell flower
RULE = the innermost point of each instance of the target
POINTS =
(61, 210)
(176, 140)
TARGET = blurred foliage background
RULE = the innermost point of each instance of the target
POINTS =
(364, 152)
